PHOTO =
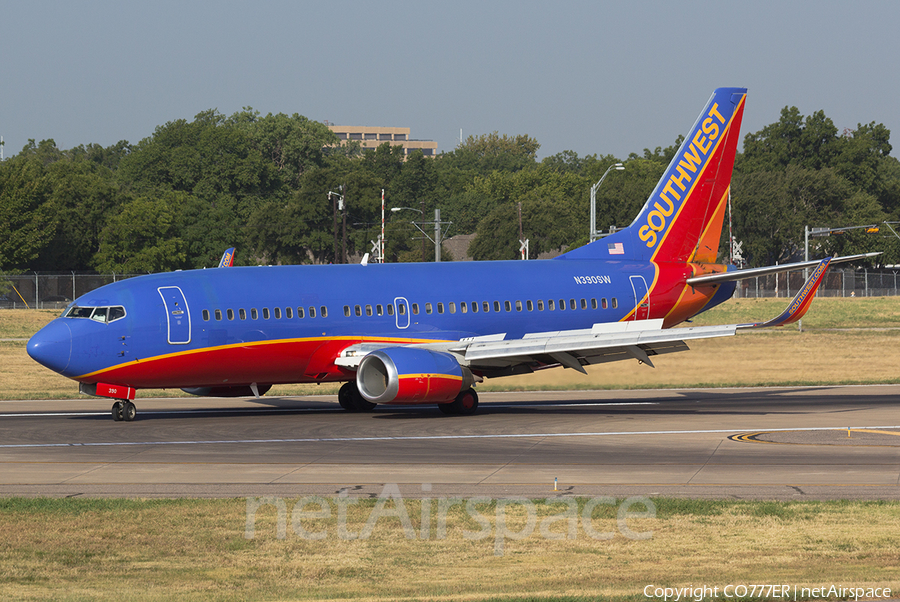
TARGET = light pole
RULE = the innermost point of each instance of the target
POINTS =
(594, 234)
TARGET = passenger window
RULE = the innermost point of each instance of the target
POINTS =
(428, 308)
(485, 306)
(401, 309)
(474, 307)
(496, 306)
(323, 311)
(452, 307)
(463, 307)
(206, 315)
(254, 315)
(550, 305)
(518, 305)
(572, 304)
(312, 311)
(368, 310)
(415, 309)
(218, 314)
(584, 304)
(390, 309)
(357, 310)
(265, 313)
(346, 311)
(615, 303)
(379, 310)
(507, 306)
(242, 314)
(562, 304)
(299, 312)
(593, 303)
(529, 305)
(230, 314)
(289, 313)
(440, 308)
(540, 305)
(277, 313)
(603, 303)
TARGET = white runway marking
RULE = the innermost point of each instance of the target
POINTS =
(430, 437)
(263, 409)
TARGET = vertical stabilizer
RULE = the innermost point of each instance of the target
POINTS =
(682, 219)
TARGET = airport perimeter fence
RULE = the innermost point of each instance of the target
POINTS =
(50, 291)
(56, 291)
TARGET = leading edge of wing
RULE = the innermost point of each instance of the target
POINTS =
(771, 269)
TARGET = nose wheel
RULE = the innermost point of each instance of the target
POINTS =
(124, 411)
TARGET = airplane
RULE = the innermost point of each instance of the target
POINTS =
(426, 333)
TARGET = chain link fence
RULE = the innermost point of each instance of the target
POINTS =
(837, 283)
(50, 291)
(56, 291)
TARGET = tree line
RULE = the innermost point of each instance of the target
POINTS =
(178, 198)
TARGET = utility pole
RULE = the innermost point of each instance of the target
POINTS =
(343, 206)
(437, 235)
(337, 204)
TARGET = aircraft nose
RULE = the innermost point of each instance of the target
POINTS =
(52, 346)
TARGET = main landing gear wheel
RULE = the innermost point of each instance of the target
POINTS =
(465, 404)
(351, 400)
(124, 411)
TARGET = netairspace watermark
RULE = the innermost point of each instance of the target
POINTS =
(767, 591)
(508, 523)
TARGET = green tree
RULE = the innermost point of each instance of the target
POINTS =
(26, 220)
(142, 237)
(293, 144)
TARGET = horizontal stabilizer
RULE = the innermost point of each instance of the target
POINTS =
(771, 269)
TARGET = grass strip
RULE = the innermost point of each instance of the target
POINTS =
(196, 549)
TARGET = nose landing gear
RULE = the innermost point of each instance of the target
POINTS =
(124, 410)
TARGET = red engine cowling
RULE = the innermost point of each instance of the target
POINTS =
(411, 375)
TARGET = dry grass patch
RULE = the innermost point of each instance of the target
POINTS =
(196, 549)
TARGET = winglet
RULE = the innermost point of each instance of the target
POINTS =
(801, 301)
(227, 258)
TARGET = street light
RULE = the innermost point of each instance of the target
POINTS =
(594, 234)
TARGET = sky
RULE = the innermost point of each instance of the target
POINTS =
(591, 77)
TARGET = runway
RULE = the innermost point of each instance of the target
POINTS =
(760, 443)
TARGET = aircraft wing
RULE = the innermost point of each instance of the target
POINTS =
(495, 355)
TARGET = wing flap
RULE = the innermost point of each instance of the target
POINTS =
(595, 348)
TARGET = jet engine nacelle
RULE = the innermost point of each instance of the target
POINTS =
(411, 375)
(233, 391)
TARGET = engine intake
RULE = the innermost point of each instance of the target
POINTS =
(411, 375)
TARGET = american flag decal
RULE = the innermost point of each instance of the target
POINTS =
(616, 248)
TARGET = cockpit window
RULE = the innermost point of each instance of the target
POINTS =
(99, 314)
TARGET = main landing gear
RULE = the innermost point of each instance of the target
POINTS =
(465, 404)
(351, 400)
(123, 410)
